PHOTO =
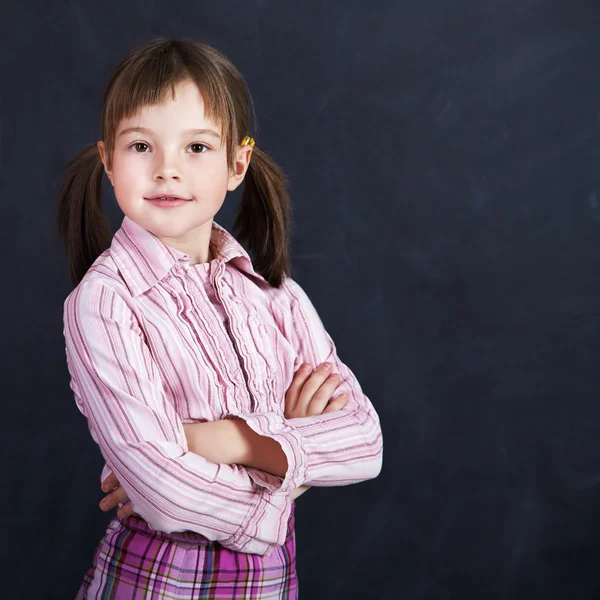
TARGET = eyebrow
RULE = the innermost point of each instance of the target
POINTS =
(186, 132)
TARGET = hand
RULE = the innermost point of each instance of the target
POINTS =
(118, 494)
(311, 393)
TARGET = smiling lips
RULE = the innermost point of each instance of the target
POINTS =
(165, 197)
(168, 201)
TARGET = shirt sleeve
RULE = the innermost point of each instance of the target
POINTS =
(332, 449)
(118, 388)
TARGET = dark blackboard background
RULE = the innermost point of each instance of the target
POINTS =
(443, 159)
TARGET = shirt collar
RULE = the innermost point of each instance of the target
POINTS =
(144, 260)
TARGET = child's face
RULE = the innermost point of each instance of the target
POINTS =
(168, 159)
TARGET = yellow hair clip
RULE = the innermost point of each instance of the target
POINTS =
(248, 140)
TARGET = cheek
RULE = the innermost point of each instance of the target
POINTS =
(209, 175)
(129, 174)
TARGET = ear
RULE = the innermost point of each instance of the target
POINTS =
(102, 152)
(240, 166)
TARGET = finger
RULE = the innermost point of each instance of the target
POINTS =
(110, 483)
(111, 500)
(337, 403)
(311, 387)
(323, 395)
(293, 392)
(125, 511)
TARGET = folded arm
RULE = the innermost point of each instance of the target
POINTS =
(336, 448)
(118, 389)
(231, 441)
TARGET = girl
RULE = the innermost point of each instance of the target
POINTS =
(185, 354)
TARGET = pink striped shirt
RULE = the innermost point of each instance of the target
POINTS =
(152, 343)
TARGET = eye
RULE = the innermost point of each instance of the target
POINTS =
(198, 144)
(139, 144)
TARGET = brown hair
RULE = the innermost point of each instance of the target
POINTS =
(143, 78)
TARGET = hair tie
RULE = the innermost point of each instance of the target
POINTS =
(248, 140)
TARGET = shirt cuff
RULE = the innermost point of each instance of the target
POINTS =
(275, 426)
(267, 520)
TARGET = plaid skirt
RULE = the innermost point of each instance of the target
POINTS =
(134, 562)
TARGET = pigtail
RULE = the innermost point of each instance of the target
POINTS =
(80, 219)
(263, 217)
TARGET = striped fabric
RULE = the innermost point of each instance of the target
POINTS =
(153, 342)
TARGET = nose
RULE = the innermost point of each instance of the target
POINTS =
(166, 167)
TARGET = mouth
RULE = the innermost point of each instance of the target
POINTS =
(166, 197)
(167, 202)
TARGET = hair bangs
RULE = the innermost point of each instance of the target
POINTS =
(148, 77)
